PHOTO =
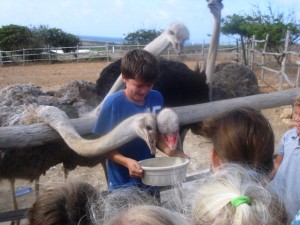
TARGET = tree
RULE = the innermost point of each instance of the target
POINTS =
(58, 38)
(55, 37)
(142, 36)
(259, 24)
(40, 36)
(14, 37)
(235, 25)
(17, 38)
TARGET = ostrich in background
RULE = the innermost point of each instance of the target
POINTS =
(179, 85)
(226, 80)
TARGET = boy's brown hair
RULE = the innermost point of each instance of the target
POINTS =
(140, 64)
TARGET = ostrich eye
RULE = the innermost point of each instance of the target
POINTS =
(148, 127)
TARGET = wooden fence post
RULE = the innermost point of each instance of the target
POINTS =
(77, 54)
(23, 57)
(49, 54)
(1, 62)
(298, 74)
(252, 53)
(283, 63)
(237, 50)
(107, 53)
(263, 55)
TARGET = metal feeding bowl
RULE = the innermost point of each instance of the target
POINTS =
(164, 171)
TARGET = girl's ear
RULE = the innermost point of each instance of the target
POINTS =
(215, 160)
(123, 78)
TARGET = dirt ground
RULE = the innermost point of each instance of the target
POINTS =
(51, 76)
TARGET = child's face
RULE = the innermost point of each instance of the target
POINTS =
(296, 116)
(137, 90)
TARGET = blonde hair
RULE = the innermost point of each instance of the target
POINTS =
(212, 202)
(148, 215)
(120, 200)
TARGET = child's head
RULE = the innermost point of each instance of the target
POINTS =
(242, 135)
(67, 204)
(141, 65)
(233, 195)
(148, 215)
(296, 113)
(297, 101)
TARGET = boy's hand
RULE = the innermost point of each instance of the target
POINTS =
(135, 169)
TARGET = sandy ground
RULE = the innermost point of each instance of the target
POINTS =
(51, 76)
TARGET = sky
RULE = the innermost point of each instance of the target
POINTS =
(117, 18)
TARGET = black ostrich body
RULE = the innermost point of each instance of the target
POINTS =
(178, 84)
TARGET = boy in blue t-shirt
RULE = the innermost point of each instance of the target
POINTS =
(139, 70)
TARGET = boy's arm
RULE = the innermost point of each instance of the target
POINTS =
(135, 169)
(162, 146)
(277, 162)
(279, 157)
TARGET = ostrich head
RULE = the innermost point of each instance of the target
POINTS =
(178, 34)
(168, 127)
(215, 7)
(145, 126)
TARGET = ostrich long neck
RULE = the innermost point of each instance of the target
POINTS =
(215, 8)
(59, 121)
(159, 44)
(213, 49)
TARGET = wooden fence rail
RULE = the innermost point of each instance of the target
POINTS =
(38, 134)
(191, 52)
(90, 52)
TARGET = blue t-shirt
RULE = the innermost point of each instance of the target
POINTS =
(115, 109)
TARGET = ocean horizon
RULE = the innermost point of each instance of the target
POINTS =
(100, 38)
(117, 40)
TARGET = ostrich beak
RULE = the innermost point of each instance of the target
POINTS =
(171, 140)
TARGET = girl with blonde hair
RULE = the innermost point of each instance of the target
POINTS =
(236, 195)
(148, 215)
